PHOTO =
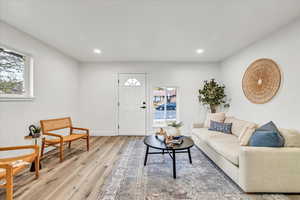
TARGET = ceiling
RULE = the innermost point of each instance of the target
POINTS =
(149, 30)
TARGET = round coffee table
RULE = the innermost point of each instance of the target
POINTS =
(156, 142)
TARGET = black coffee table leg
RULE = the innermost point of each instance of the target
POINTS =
(190, 157)
(174, 164)
(146, 156)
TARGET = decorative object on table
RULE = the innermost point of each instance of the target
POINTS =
(213, 95)
(176, 126)
(14, 165)
(34, 131)
(261, 81)
(161, 132)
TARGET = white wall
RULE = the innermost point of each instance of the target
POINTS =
(55, 87)
(284, 48)
(98, 90)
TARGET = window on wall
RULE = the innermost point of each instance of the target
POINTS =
(15, 75)
(165, 108)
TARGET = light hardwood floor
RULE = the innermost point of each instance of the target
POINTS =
(80, 175)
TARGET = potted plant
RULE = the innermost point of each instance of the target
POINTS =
(176, 126)
(213, 95)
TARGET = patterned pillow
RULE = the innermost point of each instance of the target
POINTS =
(220, 127)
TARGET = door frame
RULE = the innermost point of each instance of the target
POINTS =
(118, 99)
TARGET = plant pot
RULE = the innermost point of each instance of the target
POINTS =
(213, 108)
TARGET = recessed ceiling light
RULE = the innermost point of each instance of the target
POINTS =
(97, 51)
(199, 51)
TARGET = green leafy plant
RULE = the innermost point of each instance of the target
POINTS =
(176, 124)
(213, 94)
(37, 130)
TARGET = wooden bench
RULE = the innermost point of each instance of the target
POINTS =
(59, 140)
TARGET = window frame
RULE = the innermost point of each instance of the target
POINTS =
(165, 100)
(28, 78)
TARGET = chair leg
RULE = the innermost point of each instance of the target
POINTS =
(88, 143)
(70, 144)
(37, 166)
(61, 148)
(43, 147)
(9, 184)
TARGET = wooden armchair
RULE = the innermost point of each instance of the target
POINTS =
(11, 169)
(59, 139)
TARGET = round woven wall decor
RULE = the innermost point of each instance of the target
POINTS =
(261, 81)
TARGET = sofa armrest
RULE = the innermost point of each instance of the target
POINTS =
(198, 125)
(265, 169)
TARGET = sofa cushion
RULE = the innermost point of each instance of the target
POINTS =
(226, 145)
(204, 134)
(238, 126)
(291, 137)
(217, 117)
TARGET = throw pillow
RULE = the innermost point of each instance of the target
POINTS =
(291, 137)
(265, 138)
(220, 127)
(217, 117)
(245, 136)
(270, 126)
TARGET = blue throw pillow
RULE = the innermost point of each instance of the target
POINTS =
(221, 127)
(267, 135)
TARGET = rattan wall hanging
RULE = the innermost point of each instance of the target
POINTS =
(261, 81)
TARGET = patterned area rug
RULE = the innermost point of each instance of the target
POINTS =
(130, 180)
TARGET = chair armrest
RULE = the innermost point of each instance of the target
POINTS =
(265, 169)
(5, 166)
(18, 148)
(55, 135)
(81, 129)
(198, 125)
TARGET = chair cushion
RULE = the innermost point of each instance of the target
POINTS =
(238, 126)
(227, 145)
(217, 117)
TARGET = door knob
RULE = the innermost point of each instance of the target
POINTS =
(143, 107)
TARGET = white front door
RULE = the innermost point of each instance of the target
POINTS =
(132, 104)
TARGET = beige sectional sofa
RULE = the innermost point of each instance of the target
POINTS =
(254, 169)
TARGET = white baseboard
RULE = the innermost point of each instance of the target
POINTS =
(103, 133)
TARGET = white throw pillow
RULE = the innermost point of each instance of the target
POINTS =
(245, 136)
(218, 117)
(238, 126)
(291, 137)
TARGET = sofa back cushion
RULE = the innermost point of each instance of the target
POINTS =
(238, 126)
(291, 137)
(217, 117)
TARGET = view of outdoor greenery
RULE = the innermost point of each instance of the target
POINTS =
(12, 67)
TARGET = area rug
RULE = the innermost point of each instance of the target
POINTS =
(202, 180)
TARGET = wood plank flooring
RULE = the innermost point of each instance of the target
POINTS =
(79, 176)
